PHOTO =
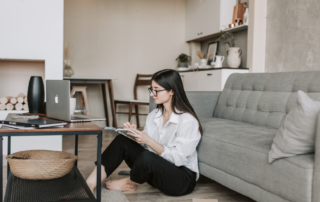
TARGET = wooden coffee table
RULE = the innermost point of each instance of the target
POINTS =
(71, 187)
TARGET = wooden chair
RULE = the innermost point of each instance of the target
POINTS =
(141, 80)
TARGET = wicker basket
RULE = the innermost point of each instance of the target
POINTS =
(41, 164)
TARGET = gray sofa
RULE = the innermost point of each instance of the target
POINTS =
(239, 125)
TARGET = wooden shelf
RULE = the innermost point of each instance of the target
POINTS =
(13, 111)
(235, 29)
(20, 60)
(209, 69)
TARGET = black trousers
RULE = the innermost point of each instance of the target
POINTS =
(148, 167)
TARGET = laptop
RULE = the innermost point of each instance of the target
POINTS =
(58, 102)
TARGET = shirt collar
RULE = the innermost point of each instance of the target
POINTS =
(174, 118)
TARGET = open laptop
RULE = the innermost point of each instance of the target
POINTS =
(58, 102)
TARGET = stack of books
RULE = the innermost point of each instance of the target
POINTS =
(31, 123)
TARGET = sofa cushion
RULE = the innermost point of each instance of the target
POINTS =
(264, 99)
(297, 133)
(241, 150)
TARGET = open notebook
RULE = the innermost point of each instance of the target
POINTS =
(121, 131)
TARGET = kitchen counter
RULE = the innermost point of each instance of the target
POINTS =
(207, 69)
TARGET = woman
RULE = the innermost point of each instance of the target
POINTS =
(172, 133)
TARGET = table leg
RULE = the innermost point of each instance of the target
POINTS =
(76, 148)
(8, 153)
(114, 119)
(1, 174)
(104, 95)
(99, 144)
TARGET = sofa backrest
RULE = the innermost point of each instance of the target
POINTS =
(203, 102)
(264, 99)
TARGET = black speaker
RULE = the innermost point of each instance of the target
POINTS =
(36, 95)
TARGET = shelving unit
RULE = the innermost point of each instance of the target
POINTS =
(213, 68)
(234, 29)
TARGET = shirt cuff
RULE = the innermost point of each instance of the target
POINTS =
(165, 152)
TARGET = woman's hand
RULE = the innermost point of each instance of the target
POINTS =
(141, 137)
(128, 125)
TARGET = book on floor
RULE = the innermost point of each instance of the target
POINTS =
(120, 131)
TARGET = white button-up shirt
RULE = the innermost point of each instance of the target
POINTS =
(179, 136)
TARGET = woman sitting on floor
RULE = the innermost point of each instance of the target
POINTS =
(172, 133)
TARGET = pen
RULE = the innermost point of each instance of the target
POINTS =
(130, 121)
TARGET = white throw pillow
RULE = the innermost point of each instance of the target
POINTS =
(297, 132)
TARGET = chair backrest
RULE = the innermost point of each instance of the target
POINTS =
(141, 80)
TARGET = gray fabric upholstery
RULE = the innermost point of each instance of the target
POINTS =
(239, 185)
(264, 99)
(316, 172)
(241, 150)
(203, 102)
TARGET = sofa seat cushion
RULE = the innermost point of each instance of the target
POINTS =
(241, 149)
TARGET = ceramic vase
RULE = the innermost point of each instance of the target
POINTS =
(36, 95)
(67, 70)
(234, 57)
(246, 17)
(183, 64)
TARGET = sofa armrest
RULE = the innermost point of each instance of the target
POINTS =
(316, 167)
(203, 102)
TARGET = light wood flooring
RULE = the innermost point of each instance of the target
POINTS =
(205, 188)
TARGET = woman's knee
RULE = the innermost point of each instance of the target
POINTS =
(119, 137)
(146, 157)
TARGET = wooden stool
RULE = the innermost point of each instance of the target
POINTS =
(83, 97)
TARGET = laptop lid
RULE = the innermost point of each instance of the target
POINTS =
(58, 99)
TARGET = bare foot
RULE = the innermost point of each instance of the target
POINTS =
(124, 184)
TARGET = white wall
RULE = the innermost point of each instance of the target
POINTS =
(257, 36)
(33, 29)
(120, 39)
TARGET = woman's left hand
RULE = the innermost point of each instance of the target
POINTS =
(141, 137)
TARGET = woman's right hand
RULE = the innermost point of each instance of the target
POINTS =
(128, 125)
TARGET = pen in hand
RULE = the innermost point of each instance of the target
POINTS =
(130, 122)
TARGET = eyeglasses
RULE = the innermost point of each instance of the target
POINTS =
(154, 92)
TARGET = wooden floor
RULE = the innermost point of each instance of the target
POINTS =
(205, 189)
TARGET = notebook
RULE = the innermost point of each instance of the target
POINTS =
(121, 131)
(16, 127)
(37, 123)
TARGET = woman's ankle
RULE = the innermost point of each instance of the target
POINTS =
(128, 180)
(92, 185)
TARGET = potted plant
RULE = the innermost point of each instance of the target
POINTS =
(183, 60)
(234, 53)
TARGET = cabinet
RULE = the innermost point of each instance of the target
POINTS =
(205, 17)
(207, 80)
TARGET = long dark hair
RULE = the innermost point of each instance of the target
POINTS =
(170, 80)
